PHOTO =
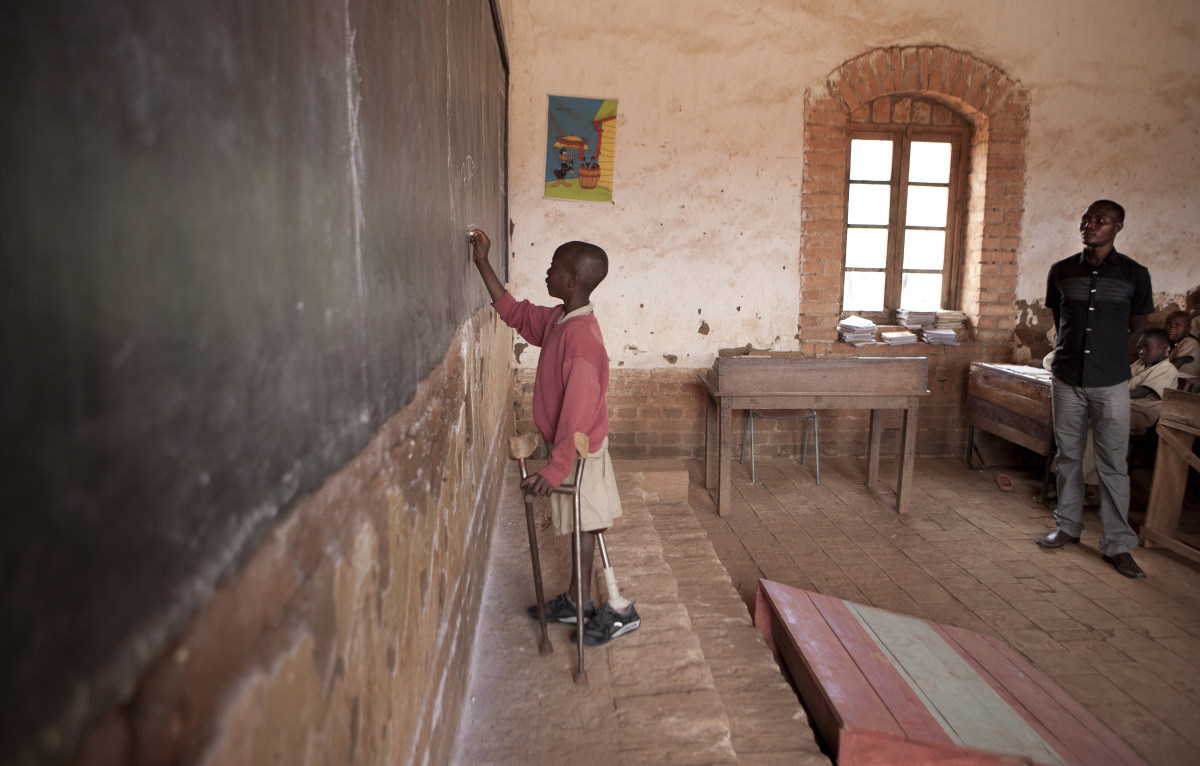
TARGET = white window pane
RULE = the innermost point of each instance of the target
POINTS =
(921, 292)
(863, 291)
(866, 248)
(870, 160)
(869, 204)
(929, 162)
(924, 249)
(927, 206)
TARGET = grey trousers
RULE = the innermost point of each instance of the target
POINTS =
(1107, 410)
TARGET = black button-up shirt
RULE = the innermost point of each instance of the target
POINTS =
(1094, 304)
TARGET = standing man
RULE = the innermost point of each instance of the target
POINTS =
(1100, 300)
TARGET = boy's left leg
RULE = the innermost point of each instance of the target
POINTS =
(561, 608)
(587, 546)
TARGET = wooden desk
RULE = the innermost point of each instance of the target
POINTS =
(1178, 427)
(781, 382)
(1013, 402)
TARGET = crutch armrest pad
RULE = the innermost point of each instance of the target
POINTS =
(581, 445)
(522, 445)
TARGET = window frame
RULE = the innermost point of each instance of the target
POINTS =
(902, 136)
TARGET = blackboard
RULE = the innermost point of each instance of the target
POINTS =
(234, 240)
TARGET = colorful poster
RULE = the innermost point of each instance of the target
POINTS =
(580, 138)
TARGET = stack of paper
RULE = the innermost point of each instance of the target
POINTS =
(952, 319)
(939, 336)
(898, 338)
(857, 330)
(913, 319)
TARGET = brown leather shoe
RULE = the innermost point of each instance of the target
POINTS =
(1124, 564)
(1057, 539)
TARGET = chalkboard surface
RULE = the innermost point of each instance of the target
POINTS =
(234, 240)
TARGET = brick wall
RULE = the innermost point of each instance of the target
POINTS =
(661, 412)
(346, 638)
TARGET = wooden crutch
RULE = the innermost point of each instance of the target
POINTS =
(520, 447)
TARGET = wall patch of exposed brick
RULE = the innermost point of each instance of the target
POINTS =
(661, 412)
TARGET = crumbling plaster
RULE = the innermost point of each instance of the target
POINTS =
(704, 229)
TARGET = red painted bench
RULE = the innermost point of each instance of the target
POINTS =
(886, 688)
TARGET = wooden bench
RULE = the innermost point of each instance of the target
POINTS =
(1013, 402)
(885, 688)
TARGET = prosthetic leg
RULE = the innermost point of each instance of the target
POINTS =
(615, 599)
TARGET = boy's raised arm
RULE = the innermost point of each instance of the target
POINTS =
(480, 245)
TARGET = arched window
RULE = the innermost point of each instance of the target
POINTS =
(911, 97)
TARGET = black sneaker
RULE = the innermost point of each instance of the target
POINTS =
(607, 625)
(561, 608)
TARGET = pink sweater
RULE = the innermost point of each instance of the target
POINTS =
(572, 379)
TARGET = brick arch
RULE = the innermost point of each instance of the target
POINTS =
(969, 85)
(997, 108)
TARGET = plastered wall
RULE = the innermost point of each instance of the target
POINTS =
(704, 231)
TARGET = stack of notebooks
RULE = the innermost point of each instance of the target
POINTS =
(951, 319)
(898, 337)
(915, 319)
(944, 330)
(854, 329)
(943, 336)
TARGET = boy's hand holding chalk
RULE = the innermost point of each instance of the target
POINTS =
(480, 245)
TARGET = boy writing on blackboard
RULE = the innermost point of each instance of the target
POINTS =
(569, 396)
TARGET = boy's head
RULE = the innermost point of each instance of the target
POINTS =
(1176, 325)
(575, 270)
(1153, 346)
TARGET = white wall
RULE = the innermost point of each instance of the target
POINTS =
(705, 223)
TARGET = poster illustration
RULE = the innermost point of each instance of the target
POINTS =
(580, 139)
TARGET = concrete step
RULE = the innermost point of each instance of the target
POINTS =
(767, 723)
(694, 685)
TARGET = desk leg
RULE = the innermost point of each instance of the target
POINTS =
(873, 448)
(1168, 486)
(908, 452)
(711, 439)
(726, 470)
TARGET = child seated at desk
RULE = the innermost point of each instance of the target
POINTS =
(1185, 349)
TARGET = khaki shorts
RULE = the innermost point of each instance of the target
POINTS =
(599, 502)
